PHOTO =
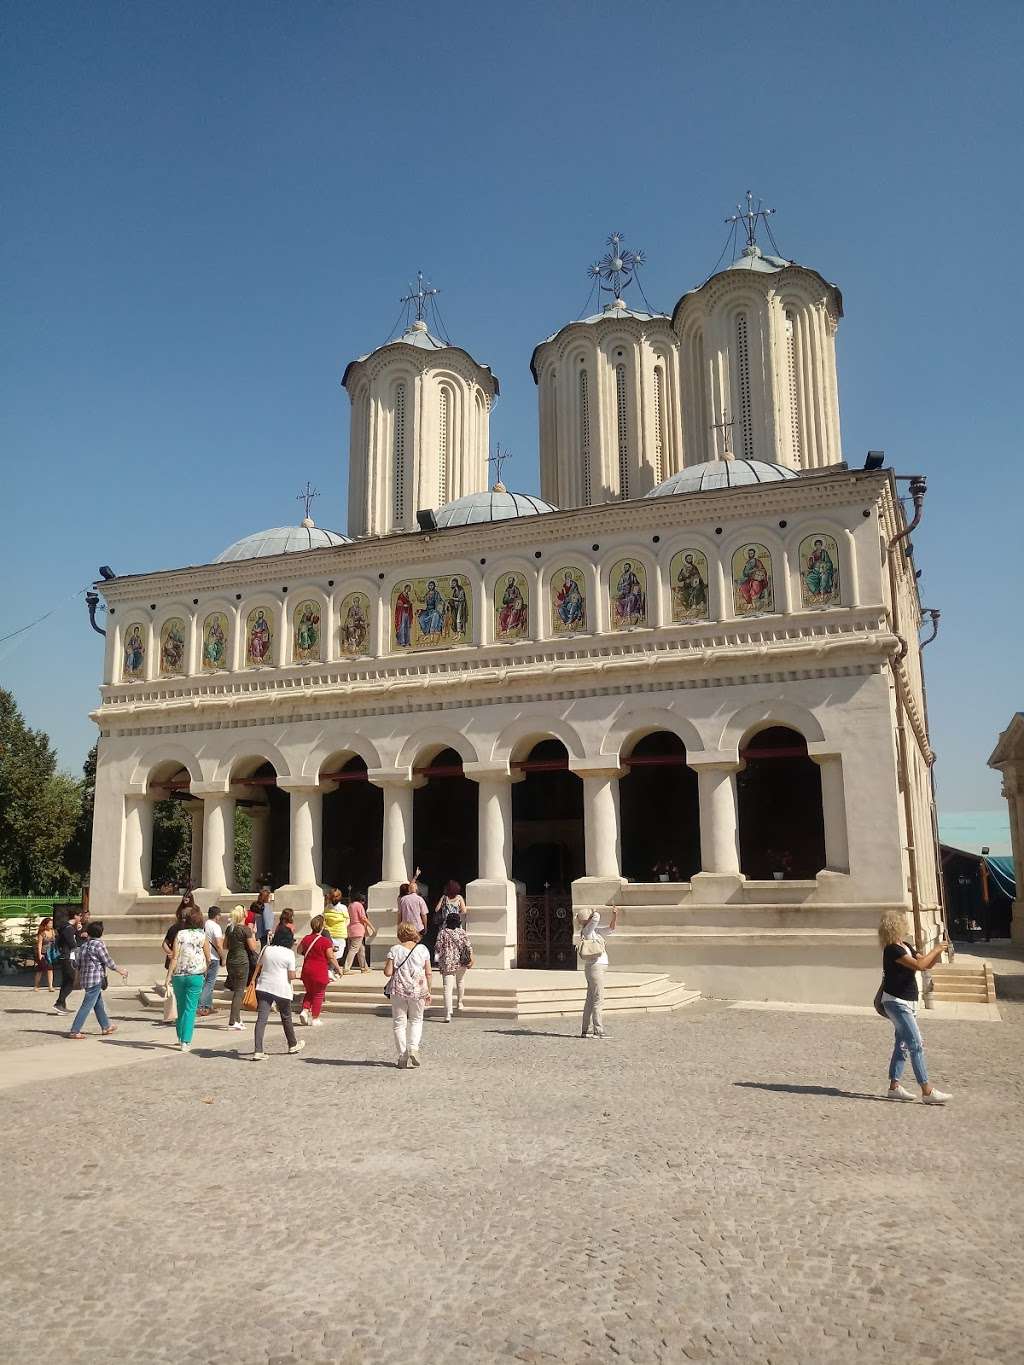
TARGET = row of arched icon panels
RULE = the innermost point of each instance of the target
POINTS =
(437, 613)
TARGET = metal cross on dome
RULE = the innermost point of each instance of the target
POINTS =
(615, 270)
(751, 217)
(306, 497)
(724, 426)
(498, 459)
(420, 296)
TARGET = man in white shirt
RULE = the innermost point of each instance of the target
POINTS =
(216, 936)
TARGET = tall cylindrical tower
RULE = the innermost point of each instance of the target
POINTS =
(419, 430)
(758, 364)
(608, 398)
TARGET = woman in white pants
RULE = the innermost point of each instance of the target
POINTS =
(593, 959)
(454, 957)
(408, 971)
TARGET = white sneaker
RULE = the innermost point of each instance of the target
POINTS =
(259, 1056)
(936, 1097)
(236, 1026)
(316, 1023)
(184, 1047)
(304, 1017)
(296, 1047)
(899, 1094)
(447, 1018)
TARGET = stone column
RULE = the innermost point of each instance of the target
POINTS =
(196, 815)
(833, 808)
(218, 843)
(398, 785)
(303, 892)
(1013, 790)
(603, 879)
(259, 843)
(491, 897)
(719, 878)
(138, 844)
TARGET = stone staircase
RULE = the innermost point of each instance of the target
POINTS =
(516, 995)
(963, 983)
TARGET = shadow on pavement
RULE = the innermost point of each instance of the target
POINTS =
(529, 1033)
(346, 1061)
(831, 1091)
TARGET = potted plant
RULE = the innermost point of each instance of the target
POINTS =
(781, 861)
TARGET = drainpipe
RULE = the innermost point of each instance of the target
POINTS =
(92, 601)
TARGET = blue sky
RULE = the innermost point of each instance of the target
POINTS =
(210, 209)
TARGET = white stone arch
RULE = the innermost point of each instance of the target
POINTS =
(763, 714)
(330, 745)
(510, 564)
(518, 738)
(420, 747)
(632, 551)
(297, 594)
(811, 526)
(255, 747)
(632, 725)
(776, 547)
(148, 764)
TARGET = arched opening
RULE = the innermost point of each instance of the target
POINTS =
(444, 822)
(262, 826)
(782, 830)
(353, 825)
(547, 820)
(659, 812)
(171, 864)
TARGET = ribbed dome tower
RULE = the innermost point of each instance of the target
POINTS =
(608, 395)
(420, 426)
(758, 355)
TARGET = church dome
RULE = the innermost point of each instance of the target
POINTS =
(699, 478)
(281, 540)
(498, 504)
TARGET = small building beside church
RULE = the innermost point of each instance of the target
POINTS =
(685, 681)
(1008, 759)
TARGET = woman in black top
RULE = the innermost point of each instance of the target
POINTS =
(900, 965)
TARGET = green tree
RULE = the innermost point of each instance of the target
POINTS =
(39, 808)
(172, 843)
(243, 849)
(78, 853)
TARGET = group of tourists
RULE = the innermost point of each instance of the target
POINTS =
(259, 955)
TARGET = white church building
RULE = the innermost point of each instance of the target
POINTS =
(685, 681)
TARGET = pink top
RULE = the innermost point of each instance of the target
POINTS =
(412, 909)
(356, 920)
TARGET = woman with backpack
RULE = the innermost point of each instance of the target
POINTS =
(593, 959)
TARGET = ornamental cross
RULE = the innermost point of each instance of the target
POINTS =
(724, 426)
(420, 295)
(750, 217)
(306, 497)
(498, 459)
(616, 268)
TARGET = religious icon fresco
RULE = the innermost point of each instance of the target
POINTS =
(431, 613)
(688, 575)
(568, 602)
(819, 571)
(306, 634)
(511, 607)
(355, 624)
(627, 593)
(215, 642)
(753, 583)
(259, 638)
(134, 652)
(172, 648)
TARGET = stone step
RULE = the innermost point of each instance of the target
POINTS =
(699, 917)
(964, 983)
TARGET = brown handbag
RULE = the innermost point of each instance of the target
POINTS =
(249, 1001)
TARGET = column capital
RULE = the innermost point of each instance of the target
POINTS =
(393, 777)
(490, 772)
(298, 786)
(596, 767)
(722, 760)
(204, 789)
(822, 751)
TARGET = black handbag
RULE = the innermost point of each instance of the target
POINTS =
(877, 1002)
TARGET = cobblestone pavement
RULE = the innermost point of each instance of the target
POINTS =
(718, 1184)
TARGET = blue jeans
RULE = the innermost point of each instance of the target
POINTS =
(93, 1001)
(206, 999)
(908, 1041)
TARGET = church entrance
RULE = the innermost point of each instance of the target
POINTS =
(659, 812)
(262, 828)
(353, 828)
(445, 828)
(778, 793)
(547, 854)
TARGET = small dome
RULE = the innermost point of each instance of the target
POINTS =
(699, 478)
(281, 540)
(496, 505)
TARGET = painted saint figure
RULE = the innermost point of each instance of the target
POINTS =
(134, 652)
(456, 611)
(215, 641)
(307, 631)
(753, 584)
(570, 604)
(512, 619)
(355, 628)
(259, 638)
(630, 599)
(691, 591)
(172, 647)
(432, 617)
(820, 575)
(403, 617)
